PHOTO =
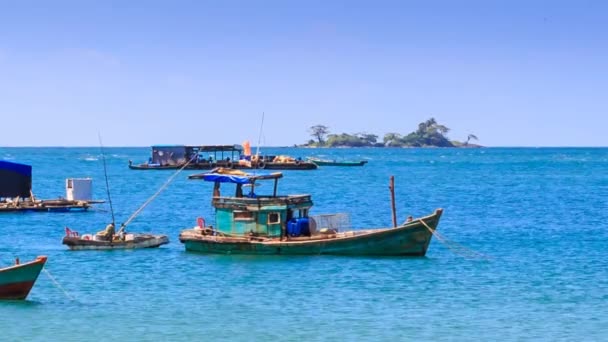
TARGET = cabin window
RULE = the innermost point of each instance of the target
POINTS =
(303, 212)
(243, 216)
(274, 218)
(70, 184)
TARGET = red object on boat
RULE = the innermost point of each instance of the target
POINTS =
(70, 233)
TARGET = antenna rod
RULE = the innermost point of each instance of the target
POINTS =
(105, 172)
(392, 188)
(257, 152)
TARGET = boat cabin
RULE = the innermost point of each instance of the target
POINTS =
(246, 212)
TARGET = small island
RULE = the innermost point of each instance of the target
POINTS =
(429, 134)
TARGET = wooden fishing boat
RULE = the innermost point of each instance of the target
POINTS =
(17, 280)
(334, 162)
(75, 241)
(281, 224)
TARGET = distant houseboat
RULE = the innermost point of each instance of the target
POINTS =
(207, 157)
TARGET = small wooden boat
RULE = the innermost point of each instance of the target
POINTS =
(273, 224)
(17, 280)
(333, 162)
(108, 239)
(75, 241)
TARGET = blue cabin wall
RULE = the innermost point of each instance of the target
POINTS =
(233, 217)
(226, 223)
(271, 229)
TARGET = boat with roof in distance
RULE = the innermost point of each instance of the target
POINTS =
(207, 157)
(334, 162)
(252, 223)
(171, 157)
(16, 192)
(16, 281)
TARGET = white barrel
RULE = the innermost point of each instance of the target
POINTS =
(79, 189)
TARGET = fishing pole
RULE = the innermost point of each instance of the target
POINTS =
(257, 152)
(105, 172)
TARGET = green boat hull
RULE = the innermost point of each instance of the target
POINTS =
(321, 162)
(16, 281)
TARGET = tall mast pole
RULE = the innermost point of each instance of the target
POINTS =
(105, 173)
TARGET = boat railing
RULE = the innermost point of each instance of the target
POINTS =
(337, 222)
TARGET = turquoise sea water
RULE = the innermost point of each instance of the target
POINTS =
(539, 214)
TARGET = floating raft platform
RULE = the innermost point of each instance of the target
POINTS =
(16, 192)
(54, 205)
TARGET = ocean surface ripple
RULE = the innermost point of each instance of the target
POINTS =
(538, 214)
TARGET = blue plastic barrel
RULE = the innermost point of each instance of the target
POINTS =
(293, 228)
(303, 226)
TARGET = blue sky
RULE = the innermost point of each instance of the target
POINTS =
(515, 73)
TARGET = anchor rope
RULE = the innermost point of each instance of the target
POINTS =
(454, 246)
(163, 187)
(56, 283)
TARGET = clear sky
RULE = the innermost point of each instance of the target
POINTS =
(514, 73)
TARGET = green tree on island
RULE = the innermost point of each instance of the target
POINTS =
(319, 132)
(369, 139)
(469, 137)
(429, 133)
(356, 140)
(390, 138)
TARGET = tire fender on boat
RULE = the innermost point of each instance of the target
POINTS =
(261, 165)
(229, 165)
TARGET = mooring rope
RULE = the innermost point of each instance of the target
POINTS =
(56, 283)
(455, 247)
(132, 217)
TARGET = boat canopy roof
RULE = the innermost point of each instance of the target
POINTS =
(15, 179)
(214, 148)
(169, 146)
(201, 148)
(22, 169)
(223, 175)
